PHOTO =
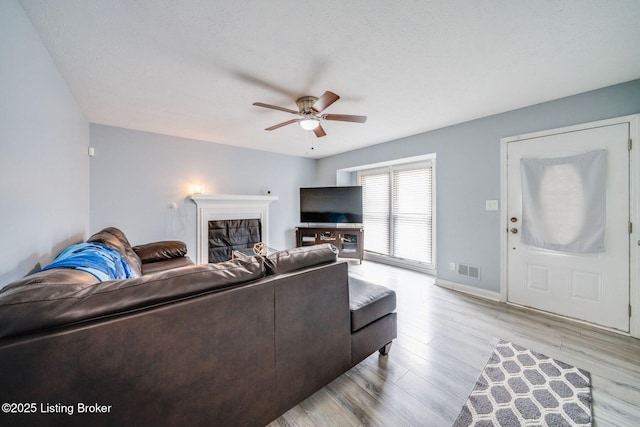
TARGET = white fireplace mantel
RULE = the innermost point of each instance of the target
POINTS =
(211, 207)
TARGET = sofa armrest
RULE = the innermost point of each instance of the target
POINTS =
(160, 251)
(165, 264)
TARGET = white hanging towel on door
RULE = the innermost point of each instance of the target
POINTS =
(564, 204)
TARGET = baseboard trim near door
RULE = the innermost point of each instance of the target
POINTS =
(570, 319)
(496, 296)
(471, 290)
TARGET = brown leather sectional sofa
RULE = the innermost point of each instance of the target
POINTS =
(236, 343)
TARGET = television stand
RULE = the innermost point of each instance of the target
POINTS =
(349, 241)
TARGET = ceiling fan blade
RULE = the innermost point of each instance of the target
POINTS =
(345, 118)
(274, 107)
(279, 125)
(319, 131)
(324, 101)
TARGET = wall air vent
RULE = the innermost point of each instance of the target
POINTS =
(469, 271)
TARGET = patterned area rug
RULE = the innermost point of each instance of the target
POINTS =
(519, 387)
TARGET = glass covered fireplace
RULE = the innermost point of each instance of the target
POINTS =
(226, 235)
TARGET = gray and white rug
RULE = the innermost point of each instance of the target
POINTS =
(519, 387)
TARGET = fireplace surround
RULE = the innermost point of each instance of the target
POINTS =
(212, 207)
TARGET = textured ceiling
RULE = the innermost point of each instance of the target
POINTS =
(193, 68)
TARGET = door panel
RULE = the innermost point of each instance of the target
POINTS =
(589, 286)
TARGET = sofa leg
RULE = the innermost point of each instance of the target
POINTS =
(385, 350)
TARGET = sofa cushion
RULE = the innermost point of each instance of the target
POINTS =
(64, 296)
(117, 240)
(369, 302)
(294, 259)
(159, 251)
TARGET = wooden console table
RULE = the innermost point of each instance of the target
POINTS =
(349, 241)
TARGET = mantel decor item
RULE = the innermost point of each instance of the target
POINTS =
(260, 249)
(197, 189)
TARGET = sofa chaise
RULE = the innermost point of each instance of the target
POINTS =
(233, 343)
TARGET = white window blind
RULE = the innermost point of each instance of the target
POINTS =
(375, 206)
(412, 214)
(398, 211)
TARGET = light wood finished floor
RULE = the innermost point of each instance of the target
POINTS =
(444, 341)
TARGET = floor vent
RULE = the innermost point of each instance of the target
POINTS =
(469, 271)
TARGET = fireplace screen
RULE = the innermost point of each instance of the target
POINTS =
(227, 235)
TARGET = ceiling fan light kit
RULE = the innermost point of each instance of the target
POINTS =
(309, 109)
(309, 124)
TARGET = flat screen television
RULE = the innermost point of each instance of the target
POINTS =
(331, 205)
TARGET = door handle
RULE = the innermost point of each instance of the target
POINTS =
(514, 219)
(514, 231)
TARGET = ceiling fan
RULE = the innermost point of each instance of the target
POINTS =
(309, 109)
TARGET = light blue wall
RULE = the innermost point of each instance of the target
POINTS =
(44, 168)
(135, 176)
(468, 171)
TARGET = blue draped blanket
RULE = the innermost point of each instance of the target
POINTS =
(98, 259)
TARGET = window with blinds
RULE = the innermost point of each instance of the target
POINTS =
(398, 211)
(376, 197)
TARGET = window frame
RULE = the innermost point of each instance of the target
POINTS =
(389, 167)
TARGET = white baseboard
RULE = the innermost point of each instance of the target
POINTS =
(471, 290)
(496, 296)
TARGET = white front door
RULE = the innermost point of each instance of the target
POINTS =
(589, 286)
